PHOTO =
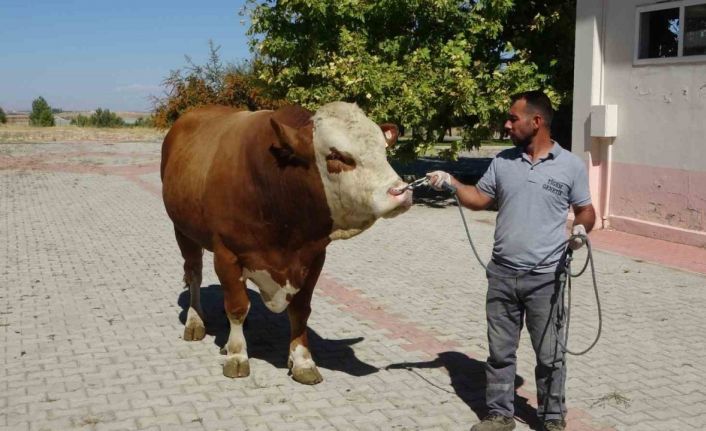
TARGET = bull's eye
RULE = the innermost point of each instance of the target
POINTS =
(337, 162)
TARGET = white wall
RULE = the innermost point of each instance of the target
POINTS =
(662, 107)
(656, 170)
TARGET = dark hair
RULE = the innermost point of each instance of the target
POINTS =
(539, 102)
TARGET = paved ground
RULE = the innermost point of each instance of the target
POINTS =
(91, 311)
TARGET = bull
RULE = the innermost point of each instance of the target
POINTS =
(266, 192)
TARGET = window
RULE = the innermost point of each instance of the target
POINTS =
(671, 32)
(659, 33)
(695, 30)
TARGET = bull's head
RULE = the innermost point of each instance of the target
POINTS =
(360, 184)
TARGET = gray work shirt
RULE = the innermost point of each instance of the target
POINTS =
(533, 204)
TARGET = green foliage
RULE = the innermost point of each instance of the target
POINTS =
(41, 114)
(105, 118)
(210, 83)
(147, 121)
(543, 32)
(3, 117)
(81, 121)
(426, 65)
(100, 118)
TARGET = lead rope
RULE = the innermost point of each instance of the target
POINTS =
(567, 257)
(565, 286)
(589, 259)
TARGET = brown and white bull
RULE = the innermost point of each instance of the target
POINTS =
(266, 192)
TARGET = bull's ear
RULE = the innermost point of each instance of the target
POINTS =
(391, 133)
(292, 143)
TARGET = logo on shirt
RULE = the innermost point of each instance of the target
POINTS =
(554, 187)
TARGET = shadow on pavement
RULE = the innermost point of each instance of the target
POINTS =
(468, 382)
(267, 334)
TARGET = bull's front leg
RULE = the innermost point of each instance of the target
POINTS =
(237, 305)
(300, 362)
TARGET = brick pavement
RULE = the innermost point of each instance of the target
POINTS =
(91, 302)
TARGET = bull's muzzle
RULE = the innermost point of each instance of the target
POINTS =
(401, 193)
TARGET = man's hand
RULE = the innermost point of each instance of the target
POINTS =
(438, 178)
(578, 239)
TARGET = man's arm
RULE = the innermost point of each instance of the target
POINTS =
(469, 196)
(585, 215)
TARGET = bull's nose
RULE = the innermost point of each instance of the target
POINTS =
(397, 190)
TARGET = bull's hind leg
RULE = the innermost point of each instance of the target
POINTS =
(237, 305)
(300, 362)
(194, 329)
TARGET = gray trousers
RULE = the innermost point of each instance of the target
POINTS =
(510, 301)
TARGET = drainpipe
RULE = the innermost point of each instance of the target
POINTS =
(606, 179)
(608, 183)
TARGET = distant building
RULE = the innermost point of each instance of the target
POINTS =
(640, 114)
(60, 121)
(21, 119)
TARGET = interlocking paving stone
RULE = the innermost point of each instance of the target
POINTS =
(91, 300)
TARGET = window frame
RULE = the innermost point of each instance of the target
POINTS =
(680, 58)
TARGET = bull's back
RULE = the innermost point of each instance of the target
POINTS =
(191, 140)
(188, 154)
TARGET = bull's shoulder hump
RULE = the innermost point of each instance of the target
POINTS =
(213, 110)
(293, 116)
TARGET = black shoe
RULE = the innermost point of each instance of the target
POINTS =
(495, 423)
(554, 425)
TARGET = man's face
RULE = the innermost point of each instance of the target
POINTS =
(521, 124)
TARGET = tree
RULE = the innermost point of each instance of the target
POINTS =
(543, 32)
(147, 121)
(41, 114)
(210, 83)
(426, 64)
(3, 117)
(100, 118)
(105, 118)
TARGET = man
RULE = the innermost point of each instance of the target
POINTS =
(533, 185)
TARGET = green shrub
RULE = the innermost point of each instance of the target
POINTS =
(41, 113)
(105, 118)
(3, 117)
(211, 83)
(81, 121)
(100, 118)
(144, 121)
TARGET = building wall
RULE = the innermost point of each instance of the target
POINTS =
(651, 178)
(19, 119)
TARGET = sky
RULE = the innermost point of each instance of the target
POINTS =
(86, 54)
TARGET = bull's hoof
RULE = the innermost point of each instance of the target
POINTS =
(236, 366)
(307, 376)
(194, 330)
(194, 333)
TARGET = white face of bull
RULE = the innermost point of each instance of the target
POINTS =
(360, 184)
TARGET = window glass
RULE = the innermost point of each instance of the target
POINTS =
(695, 30)
(659, 33)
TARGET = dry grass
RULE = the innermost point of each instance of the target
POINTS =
(23, 134)
(614, 398)
(122, 114)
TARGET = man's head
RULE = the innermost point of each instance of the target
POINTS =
(530, 114)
